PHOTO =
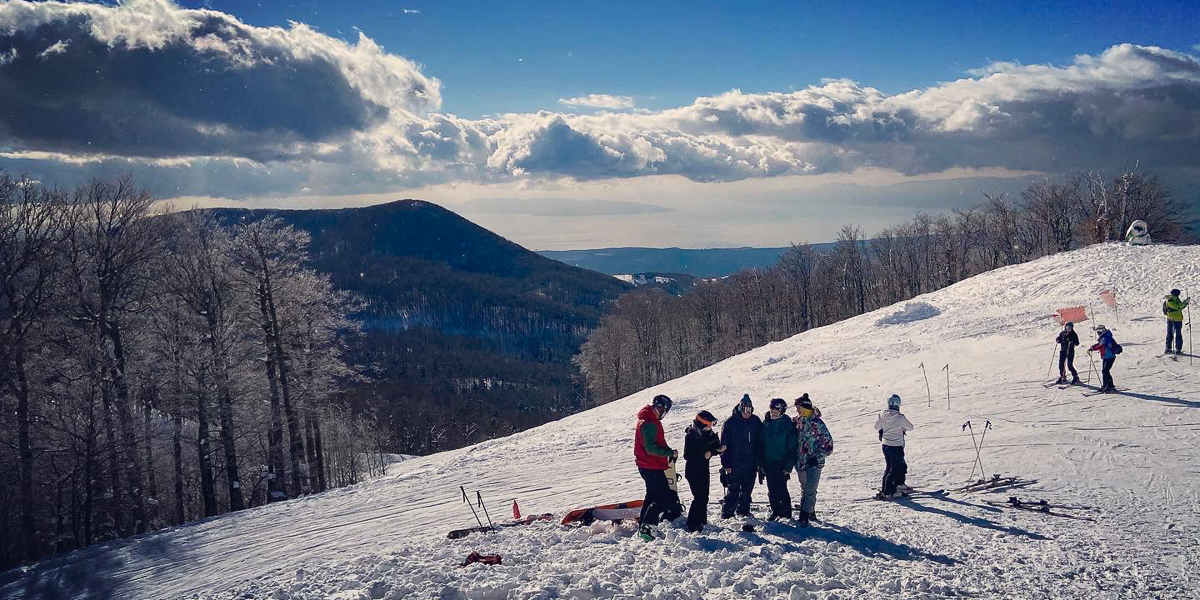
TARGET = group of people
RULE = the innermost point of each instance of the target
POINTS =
(1108, 347)
(750, 449)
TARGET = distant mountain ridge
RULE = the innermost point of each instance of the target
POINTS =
(701, 262)
(470, 332)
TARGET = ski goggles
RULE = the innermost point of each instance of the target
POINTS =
(700, 419)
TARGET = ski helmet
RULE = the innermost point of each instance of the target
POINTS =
(706, 418)
(746, 402)
(1069, 325)
(662, 401)
(894, 401)
(1175, 292)
(779, 404)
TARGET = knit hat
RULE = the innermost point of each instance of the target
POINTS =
(803, 402)
(746, 402)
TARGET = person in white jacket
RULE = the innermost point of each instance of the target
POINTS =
(892, 425)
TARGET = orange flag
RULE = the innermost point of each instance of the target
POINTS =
(1109, 297)
(1073, 314)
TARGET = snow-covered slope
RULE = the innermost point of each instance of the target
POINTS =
(1134, 456)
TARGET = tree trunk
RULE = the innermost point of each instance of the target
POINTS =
(148, 408)
(177, 450)
(207, 489)
(29, 550)
(225, 411)
(295, 447)
(310, 451)
(114, 464)
(121, 384)
(275, 479)
(320, 453)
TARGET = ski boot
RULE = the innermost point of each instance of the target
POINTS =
(883, 496)
(1061, 381)
(645, 533)
(1075, 381)
(804, 519)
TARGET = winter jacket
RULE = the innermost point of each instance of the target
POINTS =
(1106, 345)
(814, 442)
(1066, 340)
(1175, 307)
(779, 441)
(894, 424)
(650, 449)
(697, 441)
(742, 439)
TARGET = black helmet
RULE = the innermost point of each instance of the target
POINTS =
(779, 404)
(1175, 292)
(662, 401)
(706, 418)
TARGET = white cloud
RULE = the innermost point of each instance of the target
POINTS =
(599, 101)
(410, 11)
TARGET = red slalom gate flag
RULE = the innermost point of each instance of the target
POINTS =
(516, 510)
(1109, 297)
(1073, 314)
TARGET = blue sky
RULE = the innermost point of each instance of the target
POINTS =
(523, 55)
(591, 124)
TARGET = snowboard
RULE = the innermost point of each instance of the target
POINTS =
(605, 512)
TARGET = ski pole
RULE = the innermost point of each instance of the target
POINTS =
(928, 393)
(468, 503)
(479, 497)
(1093, 371)
(967, 425)
(979, 450)
(1051, 359)
(947, 370)
(1191, 353)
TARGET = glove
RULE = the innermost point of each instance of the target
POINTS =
(881, 435)
(724, 479)
(787, 475)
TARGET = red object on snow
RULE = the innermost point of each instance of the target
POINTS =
(486, 559)
(1073, 314)
(1109, 297)
(516, 510)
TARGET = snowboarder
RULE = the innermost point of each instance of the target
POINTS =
(653, 456)
(1067, 340)
(1109, 349)
(813, 444)
(778, 458)
(1138, 234)
(700, 444)
(1173, 309)
(892, 425)
(742, 437)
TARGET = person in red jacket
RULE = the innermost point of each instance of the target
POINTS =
(653, 457)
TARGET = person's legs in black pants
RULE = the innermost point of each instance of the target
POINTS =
(889, 486)
(1069, 359)
(657, 496)
(896, 470)
(698, 480)
(737, 497)
(777, 491)
(1174, 331)
(1108, 380)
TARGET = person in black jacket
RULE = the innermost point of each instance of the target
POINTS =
(1067, 340)
(699, 445)
(742, 437)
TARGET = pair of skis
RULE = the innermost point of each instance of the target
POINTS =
(1044, 507)
(996, 482)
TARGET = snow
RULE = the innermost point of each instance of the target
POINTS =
(1134, 456)
(912, 311)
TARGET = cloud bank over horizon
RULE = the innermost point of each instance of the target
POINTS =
(195, 102)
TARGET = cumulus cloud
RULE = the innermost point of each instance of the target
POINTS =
(201, 99)
(599, 101)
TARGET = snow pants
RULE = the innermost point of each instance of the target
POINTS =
(809, 478)
(777, 490)
(737, 495)
(659, 496)
(1175, 329)
(1066, 360)
(698, 478)
(1107, 371)
(896, 470)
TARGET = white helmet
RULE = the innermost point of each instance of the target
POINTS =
(894, 401)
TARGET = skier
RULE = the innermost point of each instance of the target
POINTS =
(653, 457)
(1173, 309)
(1109, 349)
(892, 426)
(700, 444)
(778, 458)
(1138, 233)
(1067, 340)
(742, 437)
(813, 444)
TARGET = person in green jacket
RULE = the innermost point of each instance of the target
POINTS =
(1173, 307)
(779, 447)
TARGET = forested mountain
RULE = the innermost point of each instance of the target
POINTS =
(467, 334)
(706, 262)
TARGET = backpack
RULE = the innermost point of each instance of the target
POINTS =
(1116, 348)
(1166, 309)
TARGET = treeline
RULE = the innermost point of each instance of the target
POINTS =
(161, 368)
(652, 337)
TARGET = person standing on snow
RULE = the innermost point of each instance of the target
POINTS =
(653, 457)
(742, 437)
(892, 425)
(814, 443)
(1138, 234)
(1173, 308)
(1067, 340)
(1109, 349)
(778, 458)
(700, 443)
